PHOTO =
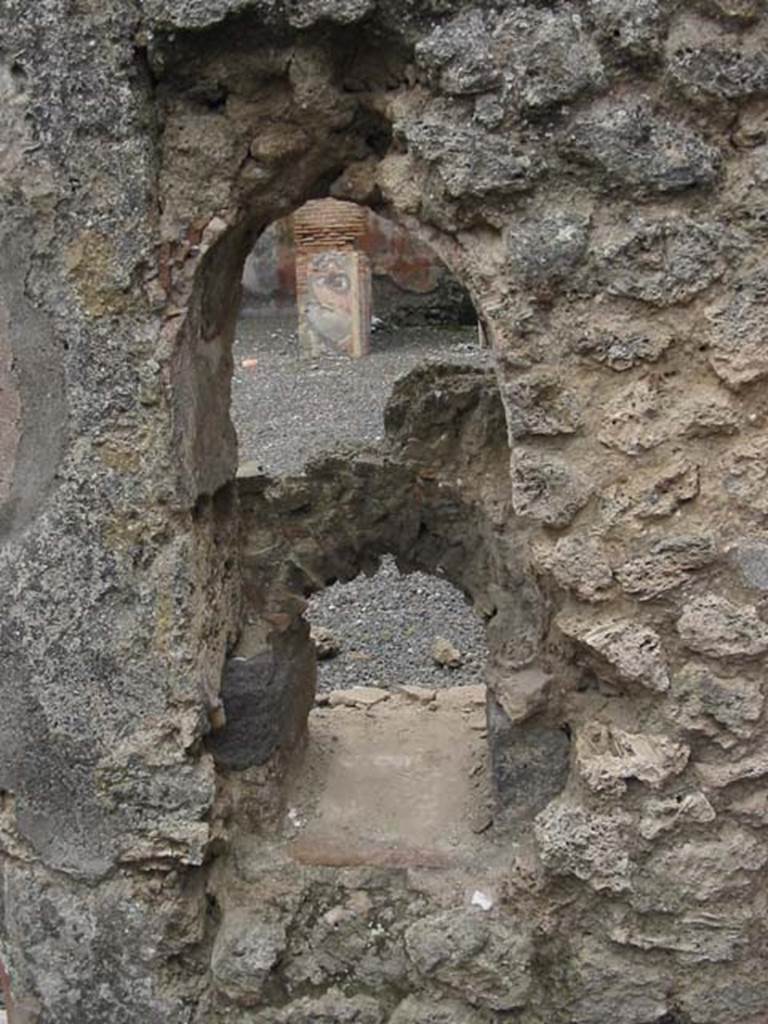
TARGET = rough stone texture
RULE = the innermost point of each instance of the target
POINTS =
(595, 175)
(487, 960)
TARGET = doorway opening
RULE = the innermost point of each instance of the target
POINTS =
(296, 392)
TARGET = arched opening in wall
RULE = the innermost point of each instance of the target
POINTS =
(337, 303)
(392, 681)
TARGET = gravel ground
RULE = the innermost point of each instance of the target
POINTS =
(386, 625)
(288, 409)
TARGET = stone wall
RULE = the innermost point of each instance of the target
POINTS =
(595, 174)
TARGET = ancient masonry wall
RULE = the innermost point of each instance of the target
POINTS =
(596, 174)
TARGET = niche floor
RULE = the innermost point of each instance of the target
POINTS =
(392, 778)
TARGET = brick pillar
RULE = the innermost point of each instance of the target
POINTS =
(333, 278)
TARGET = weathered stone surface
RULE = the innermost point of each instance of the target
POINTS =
(580, 564)
(547, 489)
(472, 162)
(713, 72)
(701, 937)
(633, 651)
(751, 559)
(487, 960)
(745, 476)
(633, 28)
(706, 702)
(635, 149)
(722, 997)
(738, 336)
(753, 808)
(521, 694)
(612, 988)
(548, 250)
(547, 56)
(663, 262)
(701, 870)
(653, 493)
(333, 1007)
(444, 653)
(660, 816)
(327, 644)
(629, 344)
(539, 403)
(266, 700)
(592, 847)
(458, 54)
(714, 625)
(648, 413)
(247, 949)
(529, 762)
(606, 757)
(415, 1010)
(718, 776)
(142, 146)
(667, 566)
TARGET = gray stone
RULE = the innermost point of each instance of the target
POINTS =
(471, 161)
(485, 959)
(726, 996)
(752, 563)
(703, 700)
(327, 644)
(700, 870)
(332, 1007)
(580, 564)
(713, 72)
(547, 55)
(634, 29)
(539, 403)
(547, 489)
(529, 762)
(714, 625)
(667, 566)
(738, 337)
(745, 476)
(633, 651)
(697, 937)
(625, 346)
(634, 149)
(458, 54)
(266, 698)
(660, 816)
(549, 249)
(247, 949)
(423, 1010)
(592, 847)
(663, 262)
(614, 986)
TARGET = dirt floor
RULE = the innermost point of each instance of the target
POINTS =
(393, 778)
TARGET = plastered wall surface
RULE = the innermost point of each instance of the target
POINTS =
(595, 174)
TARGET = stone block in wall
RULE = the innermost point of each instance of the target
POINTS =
(529, 761)
(632, 148)
(593, 847)
(713, 625)
(627, 649)
(267, 697)
(485, 959)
